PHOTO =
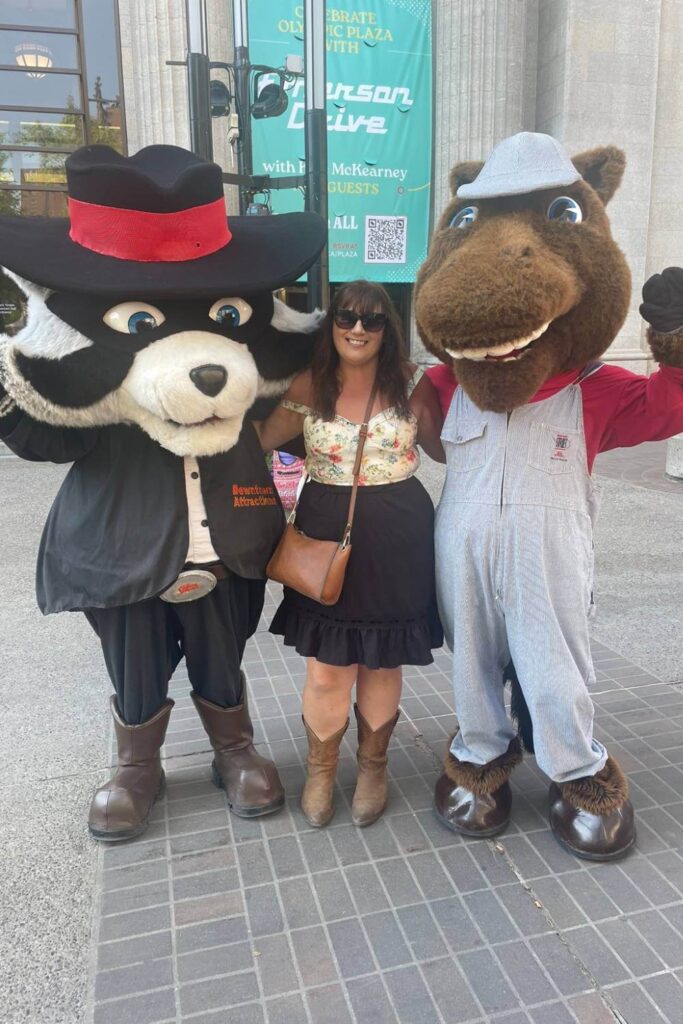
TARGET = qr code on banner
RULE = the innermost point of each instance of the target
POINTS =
(385, 239)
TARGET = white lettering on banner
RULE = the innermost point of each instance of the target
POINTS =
(339, 92)
(280, 167)
(363, 171)
(366, 93)
(343, 222)
(341, 122)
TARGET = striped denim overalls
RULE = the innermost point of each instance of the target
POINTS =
(514, 566)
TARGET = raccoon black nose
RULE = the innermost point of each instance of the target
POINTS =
(209, 379)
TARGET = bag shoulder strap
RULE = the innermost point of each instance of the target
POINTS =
(362, 435)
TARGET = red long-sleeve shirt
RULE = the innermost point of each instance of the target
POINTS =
(620, 409)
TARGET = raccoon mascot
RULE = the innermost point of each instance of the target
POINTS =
(523, 290)
(151, 334)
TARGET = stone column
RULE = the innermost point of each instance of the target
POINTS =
(484, 54)
(665, 222)
(599, 65)
(155, 95)
(485, 79)
(674, 458)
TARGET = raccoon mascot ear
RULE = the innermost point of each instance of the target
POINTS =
(283, 349)
(278, 362)
(52, 370)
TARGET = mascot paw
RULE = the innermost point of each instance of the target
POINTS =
(662, 307)
(662, 304)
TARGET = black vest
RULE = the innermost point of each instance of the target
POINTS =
(117, 532)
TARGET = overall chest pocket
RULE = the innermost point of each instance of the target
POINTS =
(465, 445)
(554, 450)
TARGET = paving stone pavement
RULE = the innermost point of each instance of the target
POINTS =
(211, 919)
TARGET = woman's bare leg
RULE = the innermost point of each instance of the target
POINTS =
(327, 696)
(378, 692)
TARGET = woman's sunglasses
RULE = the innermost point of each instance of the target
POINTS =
(348, 318)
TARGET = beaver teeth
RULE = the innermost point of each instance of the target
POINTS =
(496, 351)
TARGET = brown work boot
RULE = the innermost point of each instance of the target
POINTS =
(592, 817)
(120, 809)
(321, 769)
(251, 782)
(372, 784)
(475, 800)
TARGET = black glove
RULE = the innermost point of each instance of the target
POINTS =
(662, 304)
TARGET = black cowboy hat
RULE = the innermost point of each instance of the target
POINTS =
(154, 225)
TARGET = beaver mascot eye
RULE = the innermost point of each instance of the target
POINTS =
(133, 317)
(565, 208)
(231, 312)
(463, 218)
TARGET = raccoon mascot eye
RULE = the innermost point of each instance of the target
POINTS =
(133, 317)
(230, 312)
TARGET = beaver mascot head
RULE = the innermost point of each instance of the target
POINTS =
(523, 279)
(147, 306)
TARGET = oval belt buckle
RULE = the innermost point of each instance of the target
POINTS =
(190, 586)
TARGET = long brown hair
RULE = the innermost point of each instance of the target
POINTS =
(364, 297)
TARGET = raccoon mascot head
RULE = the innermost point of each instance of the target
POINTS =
(147, 306)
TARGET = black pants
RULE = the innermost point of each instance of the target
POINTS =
(143, 643)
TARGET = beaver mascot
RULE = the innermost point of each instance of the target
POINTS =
(151, 334)
(523, 289)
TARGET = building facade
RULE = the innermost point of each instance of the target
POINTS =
(587, 71)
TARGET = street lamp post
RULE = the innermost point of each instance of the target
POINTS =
(315, 128)
(315, 115)
(241, 71)
(198, 79)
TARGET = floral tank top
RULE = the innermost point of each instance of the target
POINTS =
(390, 453)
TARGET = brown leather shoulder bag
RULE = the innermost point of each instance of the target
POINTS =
(316, 568)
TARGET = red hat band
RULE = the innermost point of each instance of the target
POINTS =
(143, 237)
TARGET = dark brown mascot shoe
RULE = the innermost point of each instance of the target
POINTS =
(593, 817)
(475, 800)
(251, 782)
(120, 809)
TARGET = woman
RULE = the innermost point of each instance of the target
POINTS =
(386, 616)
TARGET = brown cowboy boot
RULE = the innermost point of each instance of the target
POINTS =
(372, 785)
(592, 817)
(475, 800)
(120, 809)
(321, 769)
(251, 782)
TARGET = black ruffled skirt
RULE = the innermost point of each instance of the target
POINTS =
(386, 615)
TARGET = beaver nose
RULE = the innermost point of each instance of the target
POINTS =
(209, 379)
(514, 251)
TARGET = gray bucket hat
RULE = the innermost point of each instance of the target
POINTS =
(526, 162)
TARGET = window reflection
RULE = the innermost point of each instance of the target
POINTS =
(43, 13)
(104, 92)
(34, 51)
(27, 203)
(25, 128)
(61, 110)
(34, 168)
(19, 89)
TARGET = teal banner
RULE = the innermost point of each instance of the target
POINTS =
(379, 123)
